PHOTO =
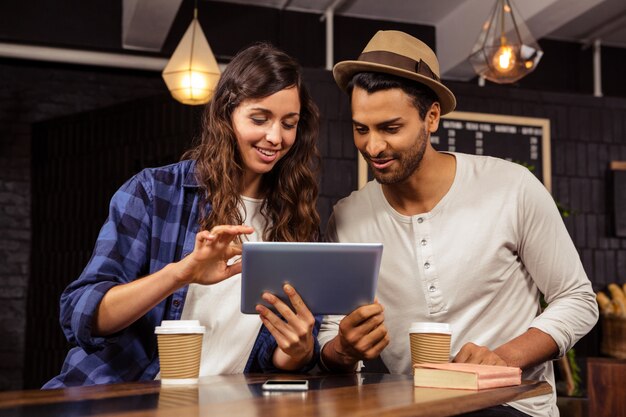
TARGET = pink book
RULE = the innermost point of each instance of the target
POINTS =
(465, 376)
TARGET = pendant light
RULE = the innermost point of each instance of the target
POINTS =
(505, 50)
(192, 72)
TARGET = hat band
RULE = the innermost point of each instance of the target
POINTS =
(399, 61)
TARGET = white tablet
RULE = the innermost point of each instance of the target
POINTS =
(331, 278)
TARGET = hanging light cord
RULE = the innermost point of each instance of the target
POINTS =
(193, 33)
(502, 36)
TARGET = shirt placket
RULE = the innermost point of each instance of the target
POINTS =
(426, 262)
(178, 298)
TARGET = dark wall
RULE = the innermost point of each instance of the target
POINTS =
(613, 70)
(94, 24)
(30, 93)
(360, 31)
(564, 67)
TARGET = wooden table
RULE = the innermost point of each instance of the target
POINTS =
(375, 395)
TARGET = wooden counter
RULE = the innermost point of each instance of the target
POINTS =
(375, 395)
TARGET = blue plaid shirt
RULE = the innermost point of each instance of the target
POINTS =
(145, 231)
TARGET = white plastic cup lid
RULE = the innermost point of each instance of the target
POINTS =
(179, 327)
(428, 327)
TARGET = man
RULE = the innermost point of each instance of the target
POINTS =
(468, 240)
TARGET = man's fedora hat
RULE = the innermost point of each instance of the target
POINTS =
(399, 54)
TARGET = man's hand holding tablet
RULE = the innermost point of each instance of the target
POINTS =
(362, 335)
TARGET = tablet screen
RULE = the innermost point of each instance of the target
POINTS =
(331, 278)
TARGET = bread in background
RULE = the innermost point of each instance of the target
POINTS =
(615, 304)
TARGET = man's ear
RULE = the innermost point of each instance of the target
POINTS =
(432, 117)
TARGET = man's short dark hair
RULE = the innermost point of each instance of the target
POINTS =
(421, 96)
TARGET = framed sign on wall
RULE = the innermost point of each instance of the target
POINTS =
(524, 140)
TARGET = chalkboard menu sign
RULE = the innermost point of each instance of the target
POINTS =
(524, 140)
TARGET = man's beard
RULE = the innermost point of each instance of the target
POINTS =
(408, 162)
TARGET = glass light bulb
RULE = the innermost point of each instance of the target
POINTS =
(504, 59)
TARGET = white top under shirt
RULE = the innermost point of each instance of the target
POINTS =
(230, 334)
(478, 261)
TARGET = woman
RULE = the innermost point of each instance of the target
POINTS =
(166, 250)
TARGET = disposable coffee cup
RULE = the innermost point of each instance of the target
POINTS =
(180, 347)
(430, 342)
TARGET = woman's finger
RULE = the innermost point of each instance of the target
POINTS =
(233, 269)
(233, 250)
(204, 237)
(226, 237)
(282, 341)
(280, 306)
(270, 327)
(274, 324)
(231, 230)
(297, 303)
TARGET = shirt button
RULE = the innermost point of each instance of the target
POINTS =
(432, 288)
(423, 242)
(426, 265)
(176, 303)
(420, 220)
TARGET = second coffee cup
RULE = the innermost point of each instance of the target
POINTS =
(430, 342)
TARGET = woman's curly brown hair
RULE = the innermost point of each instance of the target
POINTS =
(290, 189)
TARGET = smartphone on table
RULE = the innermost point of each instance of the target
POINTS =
(286, 385)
